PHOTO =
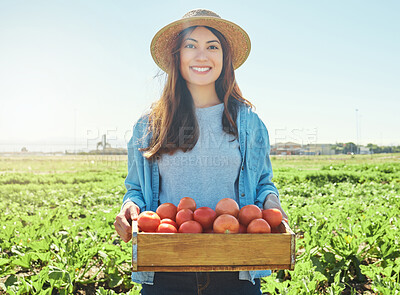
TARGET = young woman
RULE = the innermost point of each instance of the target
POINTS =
(202, 140)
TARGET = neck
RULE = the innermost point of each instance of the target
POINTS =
(203, 96)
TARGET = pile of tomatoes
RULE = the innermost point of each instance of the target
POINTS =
(226, 218)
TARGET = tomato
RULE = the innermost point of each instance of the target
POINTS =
(169, 221)
(167, 210)
(227, 206)
(272, 216)
(183, 215)
(191, 226)
(187, 202)
(248, 213)
(166, 228)
(242, 229)
(148, 221)
(275, 230)
(205, 216)
(258, 225)
(226, 223)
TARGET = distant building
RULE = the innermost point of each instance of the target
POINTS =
(318, 149)
(286, 148)
(364, 150)
(292, 148)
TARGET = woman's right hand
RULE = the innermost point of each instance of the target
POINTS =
(123, 221)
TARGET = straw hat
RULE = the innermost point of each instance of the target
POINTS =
(237, 38)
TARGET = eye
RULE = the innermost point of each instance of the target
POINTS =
(189, 46)
(213, 47)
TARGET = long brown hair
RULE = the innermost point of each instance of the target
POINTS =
(172, 118)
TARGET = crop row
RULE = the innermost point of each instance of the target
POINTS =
(348, 239)
(57, 231)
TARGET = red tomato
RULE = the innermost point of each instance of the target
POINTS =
(167, 210)
(169, 221)
(227, 206)
(166, 228)
(205, 216)
(272, 216)
(226, 223)
(148, 221)
(275, 230)
(183, 215)
(188, 203)
(248, 213)
(258, 226)
(242, 229)
(191, 226)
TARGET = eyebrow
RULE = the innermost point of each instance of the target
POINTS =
(194, 40)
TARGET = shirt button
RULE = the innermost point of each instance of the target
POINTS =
(242, 194)
(242, 167)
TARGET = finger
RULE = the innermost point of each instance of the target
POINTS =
(125, 236)
(134, 215)
(123, 223)
(132, 212)
(284, 215)
(119, 230)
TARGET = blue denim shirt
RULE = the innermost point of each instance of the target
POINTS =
(142, 181)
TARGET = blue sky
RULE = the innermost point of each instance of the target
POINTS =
(71, 71)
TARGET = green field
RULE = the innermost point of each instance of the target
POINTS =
(57, 234)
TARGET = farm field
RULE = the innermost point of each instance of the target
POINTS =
(57, 234)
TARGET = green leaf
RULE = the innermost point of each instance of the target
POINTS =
(58, 274)
(4, 261)
(115, 279)
(23, 261)
(40, 245)
(11, 280)
(42, 256)
(330, 257)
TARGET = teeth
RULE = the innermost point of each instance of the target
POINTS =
(200, 69)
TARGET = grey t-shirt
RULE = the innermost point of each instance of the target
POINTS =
(208, 172)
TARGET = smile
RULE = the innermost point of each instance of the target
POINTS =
(201, 69)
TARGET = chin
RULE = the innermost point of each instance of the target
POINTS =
(202, 84)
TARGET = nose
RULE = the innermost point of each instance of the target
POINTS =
(201, 55)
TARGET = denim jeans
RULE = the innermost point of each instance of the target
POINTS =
(200, 283)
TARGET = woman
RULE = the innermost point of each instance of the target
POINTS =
(201, 139)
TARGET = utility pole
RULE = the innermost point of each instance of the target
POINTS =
(357, 129)
(74, 130)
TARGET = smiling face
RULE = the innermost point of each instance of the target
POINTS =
(201, 58)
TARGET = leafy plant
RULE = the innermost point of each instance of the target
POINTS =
(57, 233)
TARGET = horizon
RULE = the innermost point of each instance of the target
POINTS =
(84, 147)
(318, 72)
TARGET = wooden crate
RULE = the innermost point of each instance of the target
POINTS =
(213, 252)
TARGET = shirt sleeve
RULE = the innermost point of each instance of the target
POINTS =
(265, 185)
(260, 150)
(135, 178)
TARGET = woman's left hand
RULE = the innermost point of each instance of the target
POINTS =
(272, 201)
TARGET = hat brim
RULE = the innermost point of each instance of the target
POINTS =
(237, 38)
